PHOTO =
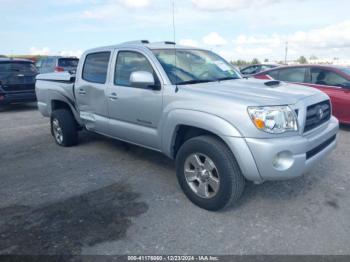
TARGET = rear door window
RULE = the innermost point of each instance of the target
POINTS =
(96, 67)
(68, 62)
(296, 74)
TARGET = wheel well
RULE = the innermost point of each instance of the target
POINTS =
(184, 133)
(57, 104)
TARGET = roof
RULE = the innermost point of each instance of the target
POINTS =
(308, 65)
(265, 64)
(15, 60)
(262, 64)
(60, 56)
(335, 68)
(318, 65)
(144, 44)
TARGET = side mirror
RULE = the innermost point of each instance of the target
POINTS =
(142, 79)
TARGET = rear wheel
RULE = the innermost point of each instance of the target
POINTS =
(64, 128)
(208, 173)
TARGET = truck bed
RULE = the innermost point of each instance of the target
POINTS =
(53, 86)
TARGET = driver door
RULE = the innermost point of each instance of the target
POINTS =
(134, 112)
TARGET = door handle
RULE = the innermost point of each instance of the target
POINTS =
(81, 91)
(113, 96)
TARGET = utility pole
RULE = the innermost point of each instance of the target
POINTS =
(286, 54)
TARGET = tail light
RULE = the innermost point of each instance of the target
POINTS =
(59, 69)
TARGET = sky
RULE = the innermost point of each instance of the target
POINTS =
(236, 29)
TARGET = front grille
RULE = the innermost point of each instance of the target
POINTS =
(319, 148)
(317, 114)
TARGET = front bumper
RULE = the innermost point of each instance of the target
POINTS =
(284, 158)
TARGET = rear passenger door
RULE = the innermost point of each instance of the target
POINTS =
(90, 90)
(134, 112)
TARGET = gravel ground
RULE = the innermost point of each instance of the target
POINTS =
(106, 197)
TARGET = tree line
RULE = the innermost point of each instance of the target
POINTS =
(240, 62)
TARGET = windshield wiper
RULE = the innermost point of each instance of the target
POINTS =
(227, 78)
(196, 81)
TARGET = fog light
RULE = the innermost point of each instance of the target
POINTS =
(283, 160)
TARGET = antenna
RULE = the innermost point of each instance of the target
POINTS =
(174, 29)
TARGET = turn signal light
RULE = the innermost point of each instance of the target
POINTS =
(259, 123)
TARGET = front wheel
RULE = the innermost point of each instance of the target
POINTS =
(64, 128)
(208, 173)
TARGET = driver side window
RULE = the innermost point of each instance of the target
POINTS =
(129, 62)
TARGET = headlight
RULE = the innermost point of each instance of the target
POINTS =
(274, 119)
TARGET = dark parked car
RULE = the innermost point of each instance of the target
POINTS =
(254, 69)
(52, 64)
(17, 81)
(333, 80)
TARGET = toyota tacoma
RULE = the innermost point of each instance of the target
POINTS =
(193, 106)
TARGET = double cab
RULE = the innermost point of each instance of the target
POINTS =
(194, 107)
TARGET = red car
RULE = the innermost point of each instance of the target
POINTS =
(333, 80)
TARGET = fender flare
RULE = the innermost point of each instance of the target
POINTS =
(58, 96)
(197, 119)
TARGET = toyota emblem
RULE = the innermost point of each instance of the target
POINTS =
(320, 113)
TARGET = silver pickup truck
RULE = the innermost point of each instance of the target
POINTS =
(193, 106)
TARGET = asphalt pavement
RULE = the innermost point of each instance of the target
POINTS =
(107, 197)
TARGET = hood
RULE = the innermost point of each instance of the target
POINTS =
(255, 91)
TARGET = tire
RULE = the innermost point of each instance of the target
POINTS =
(64, 128)
(227, 179)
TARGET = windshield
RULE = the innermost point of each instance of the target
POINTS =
(194, 66)
(68, 62)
